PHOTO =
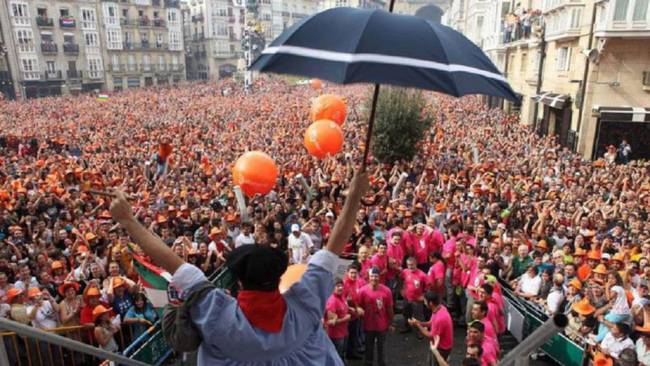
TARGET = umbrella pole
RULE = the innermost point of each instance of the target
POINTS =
(371, 122)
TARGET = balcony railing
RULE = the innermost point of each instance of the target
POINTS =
(515, 29)
(172, 3)
(52, 75)
(43, 21)
(227, 54)
(67, 22)
(70, 48)
(127, 22)
(145, 45)
(161, 46)
(159, 23)
(624, 18)
(31, 75)
(155, 2)
(144, 22)
(74, 74)
(95, 74)
(128, 46)
(197, 18)
(49, 47)
(146, 67)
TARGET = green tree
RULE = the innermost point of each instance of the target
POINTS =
(400, 123)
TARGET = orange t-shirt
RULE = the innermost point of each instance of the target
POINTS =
(584, 272)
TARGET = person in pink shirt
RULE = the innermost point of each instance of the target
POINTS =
(436, 275)
(380, 261)
(352, 284)
(440, 325)
(421, 244)
(364, 262)
(337, 317)
(495, 312)
(376, 302)
(479, 313)
(414, 283)
(490, 347)
(395, 255)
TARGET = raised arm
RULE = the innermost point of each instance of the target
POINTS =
(150, 243)
(345, 222)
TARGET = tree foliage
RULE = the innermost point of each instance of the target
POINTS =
(401, 122)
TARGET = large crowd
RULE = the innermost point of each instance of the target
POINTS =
(486, 205)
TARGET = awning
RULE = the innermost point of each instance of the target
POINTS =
(552, 100)
(623, 114)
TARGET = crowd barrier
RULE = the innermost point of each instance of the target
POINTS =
(151, 347)
(523, 317)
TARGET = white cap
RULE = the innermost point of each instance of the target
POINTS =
(295, 227)
(329, 214)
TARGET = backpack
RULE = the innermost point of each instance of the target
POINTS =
(177, 327)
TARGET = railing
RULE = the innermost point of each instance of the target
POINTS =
(127, 22)
(145, 45)
(515, 29)
(70, 48)
(74, 74)
(67, 22)
(49, 47)
(143, 22)
(128, 46)
(197, 18)
(42, 21)
(155, 2)
(30, 75)
(172, 3)
(52, 75)
(159, 22)
(95, 74)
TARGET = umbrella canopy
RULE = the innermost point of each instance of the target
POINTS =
(347, 45)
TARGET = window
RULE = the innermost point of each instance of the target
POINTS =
(524, 61)
(128, 37)
(88, 19)
(50, 66)
(25, 39)
(479, 23)
(20, 14)
(110, 14)
(220, 12)
(91, 39)
(173, 18)
(266, 16)
(640, 10)
(161, 62)
(131, 63)
(175, 41)
(563, 58)
(146, 62)
(125, 13)
(42, 12)
(620, 11)
(115, 62)
(576, 17)
(29, 68)
(114, 38)
(68, 39)
(221, 30)
(46, 38)
(64, 13)
(95, 67)
(159, 39)
(141, 13)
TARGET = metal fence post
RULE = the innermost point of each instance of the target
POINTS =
(4, 356)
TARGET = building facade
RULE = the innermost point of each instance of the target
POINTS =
(581, 68)
(59, 47)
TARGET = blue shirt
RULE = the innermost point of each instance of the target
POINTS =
(229, 339)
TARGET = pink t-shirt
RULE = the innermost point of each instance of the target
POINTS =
(377, 305)
(365, 267)
(415, 283)
(337, 305)
(490, 352)
(351, 291)
(396, 254)
(490, 332)
(443, 327)
(437, 240)
(420, 247)
(437, 272)
(496, 316)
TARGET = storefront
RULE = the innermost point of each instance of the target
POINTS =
(556, 118)
(615, 124)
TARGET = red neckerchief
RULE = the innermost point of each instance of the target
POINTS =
(263, 309)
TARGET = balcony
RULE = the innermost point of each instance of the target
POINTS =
(516, 32)
(30, 75)
(224, 55)
(198, 36)
(144, 22)
(44, 22)
(67, 22)
(126, 22)
(159, 23)
(49, 47)
(146, 68)
(145, 45)
(231, 19)
(563, 22)
(52, 75)
(71, 48)
(128, 46)
(197, 18)
(623, 18)
(94, 74)
(161, 46)
(74, 74)
(172, 3)
(155, 2)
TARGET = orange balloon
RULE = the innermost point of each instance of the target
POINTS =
(329, 106)
(323, 138)
(316, 84)
(255, 172)
(292, 275)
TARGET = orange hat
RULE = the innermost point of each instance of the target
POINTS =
(579, 252)
(13, 293)
(542, 244)
(64, 286)
(602, 360)
(215, 231)
(230, 218)
(162, 219)
(99, 310)
(90, 236)
(91, 291)
(619, 257)
(440, 207)
(583, 307)
(82, 249)
(118, 281)
(57, 265)
(33, 292)
(600, 269)
(106, 215)
(593, 254)
(576, 283)
(402, 208)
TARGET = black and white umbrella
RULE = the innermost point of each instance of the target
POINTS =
(348, 45)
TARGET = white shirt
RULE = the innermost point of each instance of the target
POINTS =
(530, 286)
(21, 285)
(46, 317)
(554, 300)
(642, 353)
(615, 346)
(243, 240)
(300, 248)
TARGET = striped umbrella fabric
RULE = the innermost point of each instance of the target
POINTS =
(349, 45)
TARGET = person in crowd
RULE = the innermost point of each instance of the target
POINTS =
(376, 302)
(440, 328)
(414, 284)
(337, 317)
(141, 314)
(105, 328)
